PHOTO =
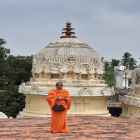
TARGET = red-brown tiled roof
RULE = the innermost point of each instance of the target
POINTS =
(82, 128)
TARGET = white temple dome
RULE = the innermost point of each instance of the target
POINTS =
(69, 47)
(68, 54)
(78, 66)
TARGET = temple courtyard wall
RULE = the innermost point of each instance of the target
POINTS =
(36, 105)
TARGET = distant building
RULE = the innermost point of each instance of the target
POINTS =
(131, 100)
(122, 77)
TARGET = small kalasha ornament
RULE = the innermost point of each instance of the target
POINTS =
(68, 31)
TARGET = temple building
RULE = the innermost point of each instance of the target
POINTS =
(131, 100)
(78, 66)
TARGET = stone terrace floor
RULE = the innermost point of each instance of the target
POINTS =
(82, 128)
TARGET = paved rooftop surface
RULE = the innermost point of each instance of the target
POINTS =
(82, 128)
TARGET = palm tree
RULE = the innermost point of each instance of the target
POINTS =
(128, 61)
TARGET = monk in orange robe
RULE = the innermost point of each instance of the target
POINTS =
(59, 96)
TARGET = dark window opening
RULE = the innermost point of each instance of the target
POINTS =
(36, 75)
(84, 76)
(129, 82)
(115, 111)
(55, 76)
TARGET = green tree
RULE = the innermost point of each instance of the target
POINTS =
(13, 70)
(128, 61)
(3, 51)
(11, 102)
(115, 62)
(109, 76)
(20, 68)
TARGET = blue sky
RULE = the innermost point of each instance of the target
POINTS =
(112, 27)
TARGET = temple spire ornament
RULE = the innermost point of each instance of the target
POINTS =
(68, 31)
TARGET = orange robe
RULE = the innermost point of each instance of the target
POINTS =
(59, 119)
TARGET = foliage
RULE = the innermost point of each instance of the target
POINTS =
(128, 61)
(3, 51)
(20, 68)
(13, 70)
(11, 102)
(109, 72)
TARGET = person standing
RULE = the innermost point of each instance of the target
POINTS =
(59, 101)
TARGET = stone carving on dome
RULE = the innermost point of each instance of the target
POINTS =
(57, 64)
(55, 67)
(85, 92)
(91, 70)
(84, 68)
(36, 69)
(64, 69)
(77, 69)
(71, 60)
(68, 57)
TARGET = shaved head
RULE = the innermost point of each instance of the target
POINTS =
(59, 85)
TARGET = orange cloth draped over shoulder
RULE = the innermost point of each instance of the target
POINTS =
(59, 119)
